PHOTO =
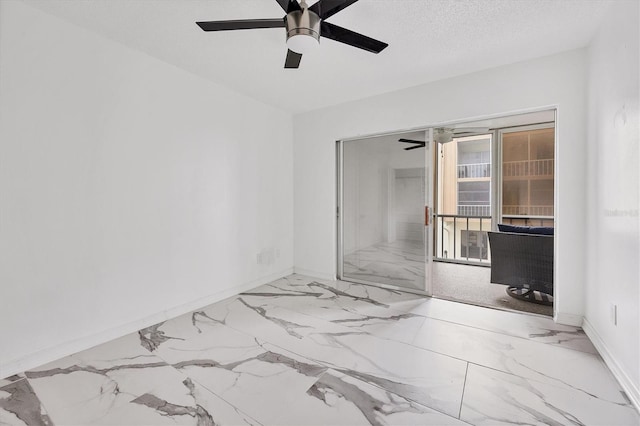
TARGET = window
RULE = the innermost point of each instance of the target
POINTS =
(474, 198)
(474, 176)
(528, 176)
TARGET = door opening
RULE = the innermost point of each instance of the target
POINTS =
(502, 176)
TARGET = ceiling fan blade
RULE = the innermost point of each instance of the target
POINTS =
(326, 8)
(411, 141)
(241, 24)
(293, 59)
(351, 38)
(414, 147)
(289, 5)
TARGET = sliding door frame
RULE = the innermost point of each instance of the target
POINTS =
(339, 204)
(496, 192)
(427, 201)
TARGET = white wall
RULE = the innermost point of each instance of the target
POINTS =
(613, 237)
(365, 194)
(556, 80)
(128, 188)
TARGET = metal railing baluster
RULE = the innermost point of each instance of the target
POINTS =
(480, 251)
(467, 253)
(441, 237)
(454, 237)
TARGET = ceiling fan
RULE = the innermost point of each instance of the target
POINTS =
(304, 24)
(445, 134)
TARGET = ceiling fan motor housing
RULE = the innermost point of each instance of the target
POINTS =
(442, 134)
(303, 22)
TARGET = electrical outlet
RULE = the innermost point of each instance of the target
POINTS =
(266, 257)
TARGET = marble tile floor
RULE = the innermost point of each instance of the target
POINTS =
(300, 351)
(400, 263)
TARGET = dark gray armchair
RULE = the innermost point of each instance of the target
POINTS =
(523, 262)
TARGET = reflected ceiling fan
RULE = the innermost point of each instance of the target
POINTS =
(304, 24)
(445, 134)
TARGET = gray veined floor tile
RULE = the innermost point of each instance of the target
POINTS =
(360, 307)
(352, 306)
(294, 280)
(339, 399)
(19, 405)
(382, 295)
(496, 398)
(257, 316)
(177, 329)
(392, 325)
(536, 328)
(423, 376)
(323, 289)
(188, 404)
(257, 378)
(11, 379)
(355, 314)
(304, 351)
(87, 386)
(293, 291)
(401, 265)
(556, 365)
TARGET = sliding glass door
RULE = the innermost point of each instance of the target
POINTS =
(384, 190)
(527, 175)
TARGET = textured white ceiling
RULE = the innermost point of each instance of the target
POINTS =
(428, 40)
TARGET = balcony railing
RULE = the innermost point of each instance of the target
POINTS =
(477, 170)
(519, 210)
(483, 210)
(527, 168)
(528, 220)
(462, 238)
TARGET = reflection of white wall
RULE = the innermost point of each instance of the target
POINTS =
(613, 188)
(364, 199)
(409, 204)
(370, 209)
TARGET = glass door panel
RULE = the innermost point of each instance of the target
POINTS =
(383, 231)
(528, 175)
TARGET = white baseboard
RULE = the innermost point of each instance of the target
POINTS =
(568, 319)
(77, 345)
(630, 388)
(314, 274)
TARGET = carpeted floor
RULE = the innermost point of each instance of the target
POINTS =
(470, 284)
